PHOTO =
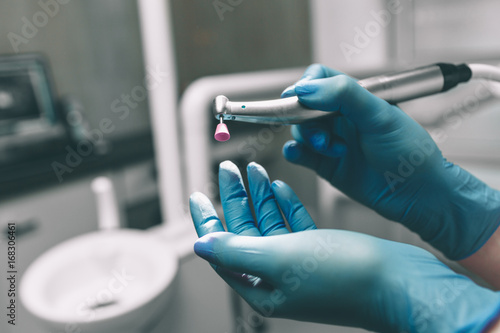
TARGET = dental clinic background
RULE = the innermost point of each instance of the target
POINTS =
(106, 128)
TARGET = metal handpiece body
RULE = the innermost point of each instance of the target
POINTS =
(394, 88)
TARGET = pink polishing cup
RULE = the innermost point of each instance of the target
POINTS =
(222, 133)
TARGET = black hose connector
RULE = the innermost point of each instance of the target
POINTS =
(454, 74)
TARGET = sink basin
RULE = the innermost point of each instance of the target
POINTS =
(107, 281)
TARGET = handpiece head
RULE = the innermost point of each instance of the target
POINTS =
(220, 106)
(219, 109)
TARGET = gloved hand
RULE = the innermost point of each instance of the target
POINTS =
(329, 276)
(380, 157)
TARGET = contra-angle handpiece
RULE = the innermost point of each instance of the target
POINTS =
(394, 88)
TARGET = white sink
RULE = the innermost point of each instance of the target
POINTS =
(107, 281)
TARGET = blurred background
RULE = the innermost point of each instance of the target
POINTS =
(82, 96)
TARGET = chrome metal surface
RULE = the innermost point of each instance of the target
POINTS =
(277, 111)
(394, 88)
(404, 86)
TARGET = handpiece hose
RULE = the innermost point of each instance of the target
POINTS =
(394, 88)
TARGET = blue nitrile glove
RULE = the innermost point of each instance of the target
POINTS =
(380, 157)
(329, 276)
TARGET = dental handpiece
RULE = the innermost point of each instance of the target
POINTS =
(394, 88)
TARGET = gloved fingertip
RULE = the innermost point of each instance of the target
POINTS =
(288, 92)
(195, 199)
(255, 169)
(305, 88)
(277, 184)
(281, 190)
(228, 172)
(203, 248)
(227, 164)
(201, 206)
(292, 151)
(195, 196)
(253, 165)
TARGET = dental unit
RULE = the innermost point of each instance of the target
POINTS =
(394, 88)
